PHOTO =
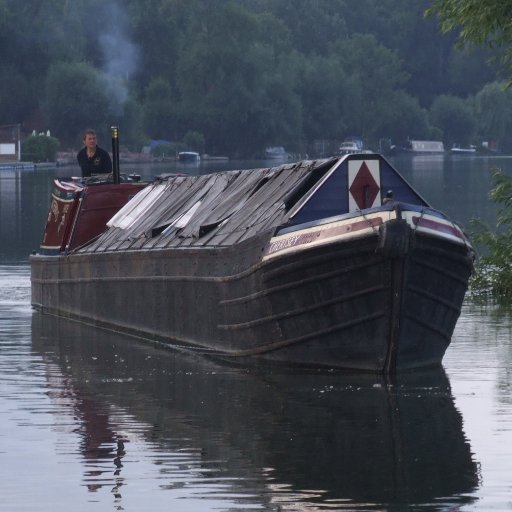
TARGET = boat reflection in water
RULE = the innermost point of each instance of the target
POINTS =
(272, 437)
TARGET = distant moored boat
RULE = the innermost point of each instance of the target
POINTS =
(189, 157)
(276, 153)
(457, 150)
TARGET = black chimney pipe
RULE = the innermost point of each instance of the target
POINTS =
(115, 154)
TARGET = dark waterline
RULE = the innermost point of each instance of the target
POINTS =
(90, 420)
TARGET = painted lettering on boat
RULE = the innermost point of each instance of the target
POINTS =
(321, 234)
(292, 241)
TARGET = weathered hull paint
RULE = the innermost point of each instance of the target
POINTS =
(336, 263)
(345, 304)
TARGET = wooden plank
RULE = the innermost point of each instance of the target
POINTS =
(261, 206)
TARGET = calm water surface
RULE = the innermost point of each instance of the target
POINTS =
(90, 420)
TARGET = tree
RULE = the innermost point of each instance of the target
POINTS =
(493, 111)
(159, 27)
(405, 120)
(478, 22)
(245, 73)
(468, 71)
(487, 22)
(323, 88)
(40, 148)
(194, 141)
(313, 24)
(16, 98)
(159, 111)
(376, 73)
(454, 118)
(130, 123)
(235, 85)
(494, 272)
(75, 99)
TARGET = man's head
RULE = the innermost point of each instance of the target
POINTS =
(90, 139)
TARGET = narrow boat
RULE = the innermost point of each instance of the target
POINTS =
(348, 147)
(457, 150)
(426, 146)
(420, 147)
(189, 157)
(351, 145)
(334, 263)
(276, 153)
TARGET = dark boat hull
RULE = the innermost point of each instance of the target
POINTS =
(336, 263)
(353, 304)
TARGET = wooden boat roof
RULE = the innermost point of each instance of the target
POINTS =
(228, 207)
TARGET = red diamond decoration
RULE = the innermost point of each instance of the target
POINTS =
(364, 188)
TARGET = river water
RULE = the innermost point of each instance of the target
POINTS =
(94, 421)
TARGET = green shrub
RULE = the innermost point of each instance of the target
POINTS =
(493, 274)
(39, 148)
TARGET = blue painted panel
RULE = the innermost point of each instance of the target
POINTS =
(331, 199)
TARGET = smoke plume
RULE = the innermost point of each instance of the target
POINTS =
(120, 56)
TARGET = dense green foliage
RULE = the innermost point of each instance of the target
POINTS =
(244, 74)
(40, 148)
(487, 23)
(479, 22)
(494, 270)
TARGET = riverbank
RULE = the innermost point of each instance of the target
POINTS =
(26, 166)
(129, 157)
